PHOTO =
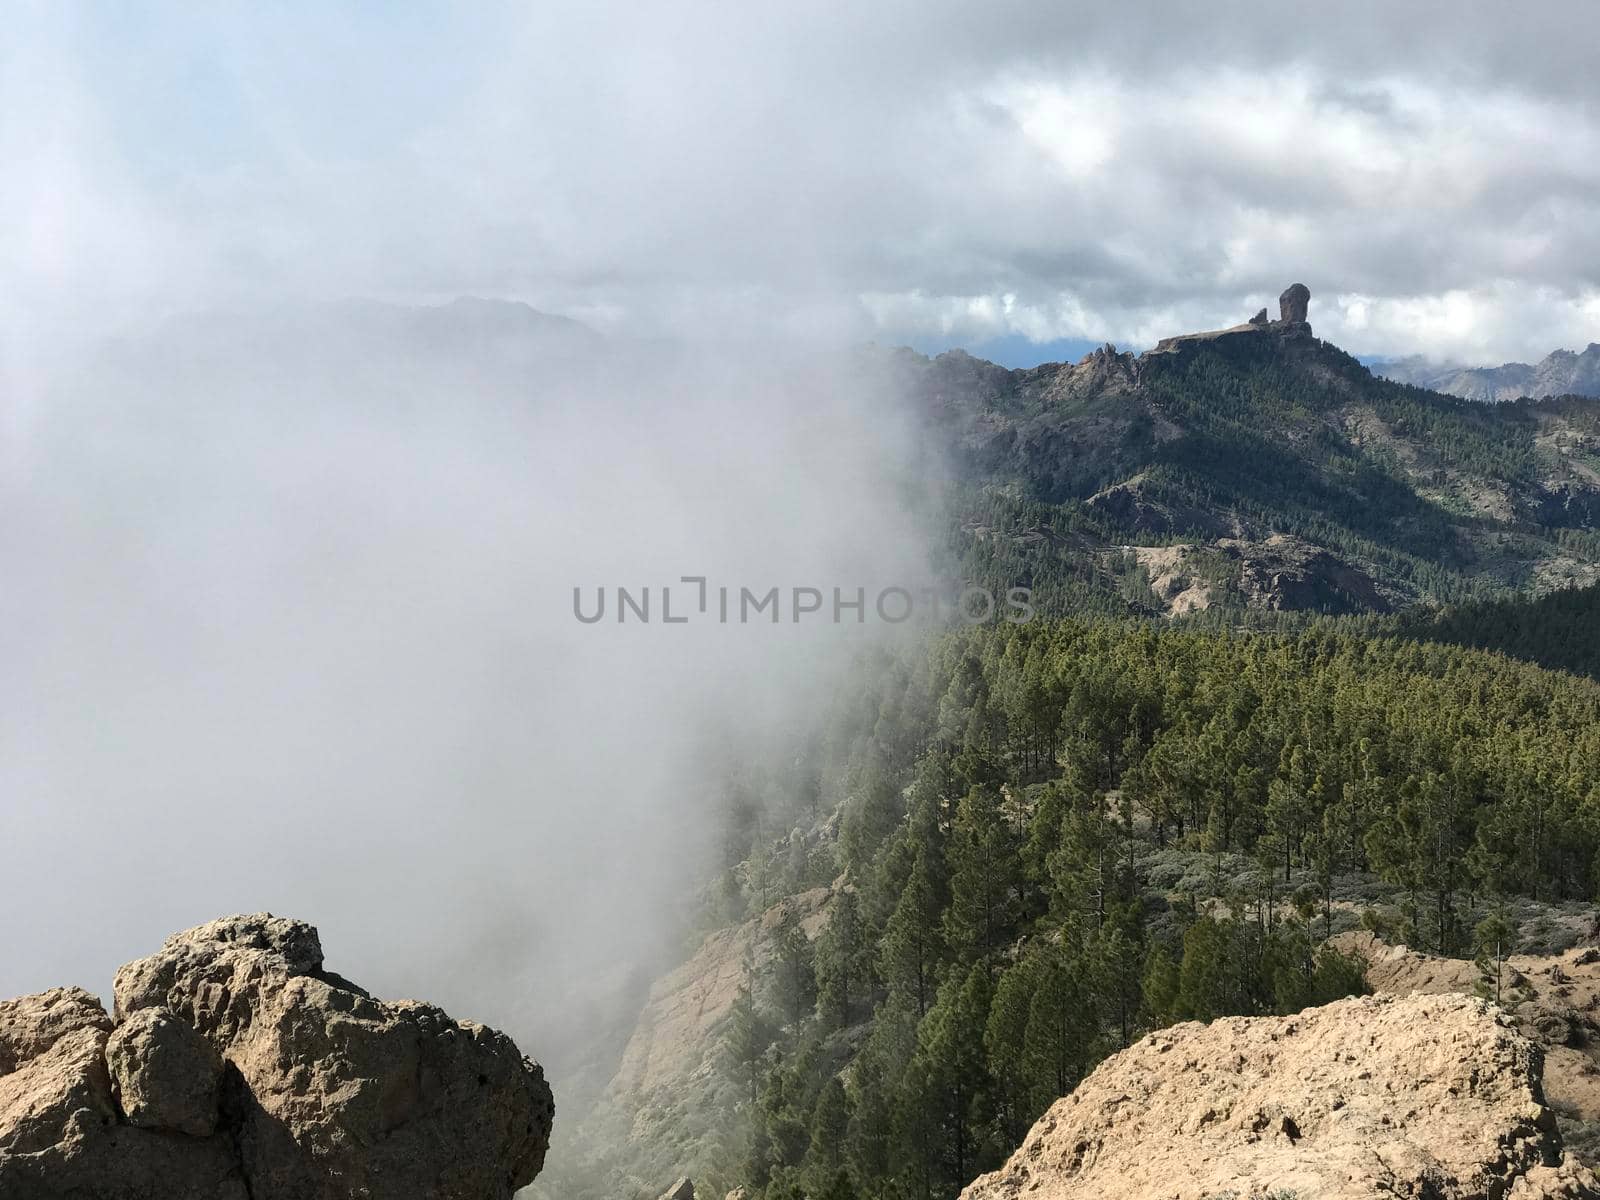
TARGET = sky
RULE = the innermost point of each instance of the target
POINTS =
(1009, 175)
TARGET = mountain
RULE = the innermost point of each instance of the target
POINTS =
(1560, 373)
(1255, 469)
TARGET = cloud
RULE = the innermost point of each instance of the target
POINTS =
(288, 625)
(732, 173)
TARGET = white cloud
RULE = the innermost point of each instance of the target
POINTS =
(845, 173)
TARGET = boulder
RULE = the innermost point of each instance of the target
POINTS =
(315, 1090)
(165, 1075)
(1427, 1096)
(683, 1189)
(61, 1133)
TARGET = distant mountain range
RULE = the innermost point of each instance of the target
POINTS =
(1560, 373)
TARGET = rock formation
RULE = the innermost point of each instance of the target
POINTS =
(236, 1068)
(1293, 307)
(1431, 1097)
(1553, 999)
(1294, 304)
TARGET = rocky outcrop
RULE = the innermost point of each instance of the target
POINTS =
(1294, 304)
(1431, 1097)
(238, 1069)
(1289, 574)
(666, 1110)
(1293, 308)
(62, 1132)
(1554, 1000)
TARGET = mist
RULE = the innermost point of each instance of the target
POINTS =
(288, 624)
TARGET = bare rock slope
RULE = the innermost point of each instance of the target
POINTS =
(1553, 999)
(236, 1068)
(1432, 1097)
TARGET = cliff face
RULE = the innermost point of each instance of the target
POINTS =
(235, 1067)
(1427, 1096)
(670, 1107)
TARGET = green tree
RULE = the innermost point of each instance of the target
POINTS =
(843, 962)
(985, 869)
(1493, 941)
(796, 979)
(1116, 962)
(913, 941)
(1061, 1027)
(829, 1133)
(951, 1074)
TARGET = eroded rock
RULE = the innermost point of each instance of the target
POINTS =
(1428, 1096)
(61, 1132)
(1294, 304)
(316, 1090)
(166, 1075)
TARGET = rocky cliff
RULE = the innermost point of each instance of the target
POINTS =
(234, 1067)
(1433, 1097)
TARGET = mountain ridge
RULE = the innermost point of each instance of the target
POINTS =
(1290, 475)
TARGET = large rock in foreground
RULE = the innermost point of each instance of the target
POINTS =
(238, 1068)
(1433, 1097)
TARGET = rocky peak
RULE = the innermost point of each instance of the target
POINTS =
(1293, 306)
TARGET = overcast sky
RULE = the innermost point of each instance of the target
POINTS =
(937, 172)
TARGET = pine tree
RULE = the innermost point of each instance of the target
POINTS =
(952, 1072)
(881, 1138)
(843, 958)
(746, 1039)
(796, 978)
(913, 942)
(1160, 988)
(1005, 1040)
(829, 1129)
(1116, 961)
(1061, 1026)
(1493, 941)
(985, 871)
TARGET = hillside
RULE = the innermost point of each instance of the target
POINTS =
(1056, 838)
(1255, 469)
